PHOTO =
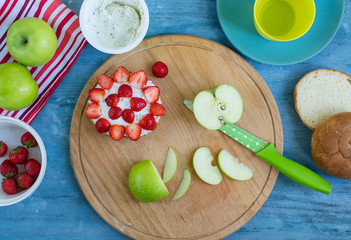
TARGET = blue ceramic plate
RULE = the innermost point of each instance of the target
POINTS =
(236, 19)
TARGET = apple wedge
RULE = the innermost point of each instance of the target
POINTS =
(170, 165)
(202, 162)
(145, 183)
(183, 186)
(223, 103)
(231, 167)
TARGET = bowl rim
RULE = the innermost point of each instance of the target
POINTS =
(42, 149)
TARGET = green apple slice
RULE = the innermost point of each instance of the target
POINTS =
(170, 165)
(183, 186)
(231, 167)
(221, 103)
(145, 183)
(202, 162)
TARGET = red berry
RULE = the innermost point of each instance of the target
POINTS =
(116, 132)
(151, 94)
(28, 140)
(18, 155)
(3, 149)
(8, 169)
(115, 113)
(9, 186)
(148, 122)
(133, 131)
(138, 79)
(128, 115)
(136, 104)
(125, 91)
(112, 100)
(25, 180)
(93, 111)
(102, 125)
(96, 94)
(105, 81)
(32, 167)
(157, 109)
(121, 75)
(160, 70)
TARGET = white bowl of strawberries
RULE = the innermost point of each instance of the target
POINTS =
(22, 160)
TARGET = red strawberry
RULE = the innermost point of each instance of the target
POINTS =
(25, 180)
(3, 149)
(125, 91)
(128, 115)
(115, 113)
(28, 140)
(96, 94)
(133, 131)
(18, 155)
(112, 100)
(93, 111)
(160, 70)
(138, 79)
(121, 75)
(105, 81)
(148, 122)
(102, 125)
(8, 169)
(116, 132)
(136, 104)
(32, 167)
(9, 186)
(157, 109)
(151, 94)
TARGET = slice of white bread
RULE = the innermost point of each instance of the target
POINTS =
(321, 94)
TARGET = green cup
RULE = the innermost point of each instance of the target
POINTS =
(283, 20)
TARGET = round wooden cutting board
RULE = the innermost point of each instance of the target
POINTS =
(101, 165)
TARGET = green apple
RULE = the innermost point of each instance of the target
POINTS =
(18, 89)
(145, 183)
(31, 41)
(202, 162)
(231, 167)
(183, 186)
(223, 103)
(170, 165)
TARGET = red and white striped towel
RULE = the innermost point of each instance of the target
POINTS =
(70, 43)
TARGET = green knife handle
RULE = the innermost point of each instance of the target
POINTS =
(293, 170)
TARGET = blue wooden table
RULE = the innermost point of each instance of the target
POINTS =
(59, 210)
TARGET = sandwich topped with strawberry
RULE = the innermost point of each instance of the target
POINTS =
(125, 104)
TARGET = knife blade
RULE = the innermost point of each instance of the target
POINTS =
(267, 151)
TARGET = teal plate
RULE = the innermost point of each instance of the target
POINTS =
(236, 19)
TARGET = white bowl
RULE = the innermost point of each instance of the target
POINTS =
(11, 131)
(88, 7)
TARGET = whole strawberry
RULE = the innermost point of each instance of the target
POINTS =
(32, 167)
(9, 186)
(18, 155)
(8, 169)
(3, 149)
(28, 140)
(25, 180)
(159, 69)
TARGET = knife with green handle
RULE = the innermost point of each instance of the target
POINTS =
(267, 151)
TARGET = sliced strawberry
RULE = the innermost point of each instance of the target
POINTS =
(116, 132)
(105, 81)
(133, 131)
(102, 125)
(112, 100)
(96, 94)
(115, 113)
(138, 79)
(151, 94)
(128, 115)
(125, 91)
(148, 122)
(93, 111)
(136, 104)
(157, 109)
(121, 75)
